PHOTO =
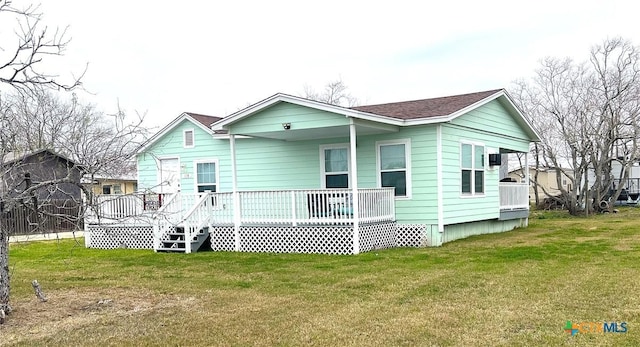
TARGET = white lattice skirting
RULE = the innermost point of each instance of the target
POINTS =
(304, 239)
(275, 239)
(411, 235)
(120, 236)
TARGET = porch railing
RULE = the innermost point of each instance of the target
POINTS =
(313, 206)
(114, 208)
(282, 207)
(514, 196)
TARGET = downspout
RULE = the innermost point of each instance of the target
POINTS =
(236, 196)
(440, 198)
(354, 187)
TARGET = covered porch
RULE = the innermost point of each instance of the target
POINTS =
(298, 220)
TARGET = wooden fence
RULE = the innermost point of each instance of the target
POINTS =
(54, 216)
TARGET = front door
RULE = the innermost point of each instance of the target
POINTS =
(169, 175)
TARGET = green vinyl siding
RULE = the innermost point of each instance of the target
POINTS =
(492, 127)
(266, 164)
(300, 117)
(460, 207)
(421, 208)
(171, 145)
(271, 164)
(492, 118)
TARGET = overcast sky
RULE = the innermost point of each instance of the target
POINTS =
(215, 57)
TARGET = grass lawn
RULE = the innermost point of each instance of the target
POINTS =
(512, 289)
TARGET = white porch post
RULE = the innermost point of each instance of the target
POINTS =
(526, 171)
(439, 180)
(354, 187)
(526, 179)
(236, 195)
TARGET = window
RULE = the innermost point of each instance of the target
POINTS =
(206, 176)
(335, 166)
(472, 168)
(189, 138)
(394, 163)
(117, 189)
(106, 189)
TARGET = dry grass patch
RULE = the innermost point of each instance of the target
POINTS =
(510, 289)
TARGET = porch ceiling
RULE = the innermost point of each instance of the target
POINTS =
(294, 134)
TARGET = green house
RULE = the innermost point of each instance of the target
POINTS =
(288, 174)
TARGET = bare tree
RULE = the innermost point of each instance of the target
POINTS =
(20, 64)
(69, 140)
(22, 53)
(334, 93)
(103, 143)
(587, 114)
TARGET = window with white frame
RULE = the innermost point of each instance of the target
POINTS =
(394, 166)
(334, 166)
(472, 168)
(189, 138)
(206, 176)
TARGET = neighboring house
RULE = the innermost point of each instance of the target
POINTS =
(114, 185)
(296, 175)
(42, 166)
(58, 204)
(630, 193)
(547, 181)
(125, 182)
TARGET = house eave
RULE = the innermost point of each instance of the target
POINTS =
(501, 95)
(224, 123)
(152, 140)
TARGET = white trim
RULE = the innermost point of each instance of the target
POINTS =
(236, 196)
(439, 178)
(505, 99)
(215, 161)
(502, 95)
(473, 169)
(527, 173)
(169, 127)
(407, 154)
(137, 173)
(159, 160)
(260, 105)
(323, 173)
(184, 138)
(355, 200)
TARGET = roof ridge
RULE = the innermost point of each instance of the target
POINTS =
(434, 98)
(428, 108)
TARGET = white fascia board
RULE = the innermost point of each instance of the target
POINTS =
(347, 112)
(170, 127)
(228, 136)
(516, 110)
(431, 120)
(502, 93)
(374, 118)
(452, 116)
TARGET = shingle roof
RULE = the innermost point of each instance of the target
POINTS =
(204, 119)
(426, 108)
(11, 157)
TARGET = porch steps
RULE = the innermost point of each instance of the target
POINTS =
(175, 241)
